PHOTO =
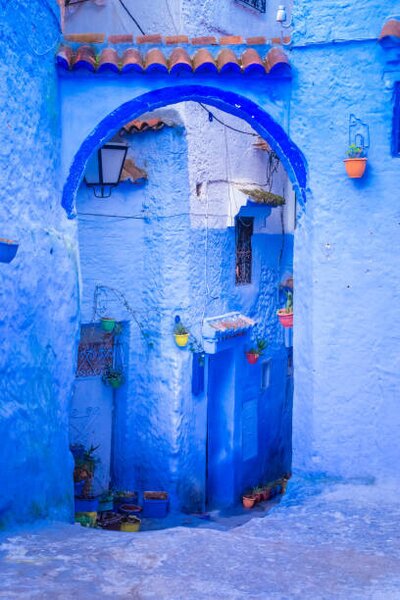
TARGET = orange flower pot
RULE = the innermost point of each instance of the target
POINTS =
(285, 319)
(355, 167)
(248, 501)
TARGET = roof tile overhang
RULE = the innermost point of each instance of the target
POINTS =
(174, 55)
(390, 33)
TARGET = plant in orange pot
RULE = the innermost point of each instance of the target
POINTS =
(285, 315)
(356, 161)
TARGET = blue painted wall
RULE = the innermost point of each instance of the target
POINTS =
(347, 334)
(157, 261)
(38, 292)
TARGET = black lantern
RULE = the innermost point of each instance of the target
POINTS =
(104, 168)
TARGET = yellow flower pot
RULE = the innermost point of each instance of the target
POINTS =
(181, 339)
(132, 525)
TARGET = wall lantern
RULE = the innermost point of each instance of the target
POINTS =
(104, 168)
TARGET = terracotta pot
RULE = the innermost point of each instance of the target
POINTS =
(266, 494)
(285, 319)
(355, 167)
(248, 501)
(252, 358)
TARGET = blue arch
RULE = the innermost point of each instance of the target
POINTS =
(231, 102)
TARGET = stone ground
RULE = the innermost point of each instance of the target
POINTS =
(327, 539)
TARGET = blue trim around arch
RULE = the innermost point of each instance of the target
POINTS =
(231, 102)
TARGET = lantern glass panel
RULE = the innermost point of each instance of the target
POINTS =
(112, 160)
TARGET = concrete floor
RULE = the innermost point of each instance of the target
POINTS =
(326, 540)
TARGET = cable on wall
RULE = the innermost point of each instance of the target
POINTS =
(211, 117)
(131, 16)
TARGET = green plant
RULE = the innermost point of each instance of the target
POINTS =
(355, 151)
(264, 197)
(113, 376)
(84, 465)
(259, 347)
(289, 302)
(180, 329)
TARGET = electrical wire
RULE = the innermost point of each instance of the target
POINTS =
(132, 17)
(224, 124)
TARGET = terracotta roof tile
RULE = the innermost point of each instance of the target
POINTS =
(390, 32)
(65, 57)
(176, 39)
(155, 61)
(176, 61)
(179, 62)
(203, 62)
(257, 40)
(108, 61)
(149, 39)
(132, 61)
(204, 41)
(141, 125)
(230, 40)
(228, 62)
(276, 61)
(85, 58)
(85, 38)
(252, 63)
(120, 39)
(130, 172)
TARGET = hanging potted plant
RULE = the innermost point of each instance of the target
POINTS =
(181, 333)
(285, 315)
(254, 353)
(356, 161)
(107, 324)
(113, 377)
(8, 250)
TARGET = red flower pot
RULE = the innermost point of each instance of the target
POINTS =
(252, 358)
(285, 319)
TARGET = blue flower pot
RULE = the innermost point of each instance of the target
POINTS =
(78, 487)
(86, 505)
(8, 250)
(106, 505)
(129, 510)
(155, 508)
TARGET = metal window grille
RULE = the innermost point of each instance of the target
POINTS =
(244, 232)
(396, 121)
(95, 352)
(260, 5)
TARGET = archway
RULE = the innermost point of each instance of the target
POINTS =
(290, 155)
(236, 104)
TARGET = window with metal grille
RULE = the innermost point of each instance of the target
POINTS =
(259, 5)
(244, 232)
(396, 121)
(95, 353)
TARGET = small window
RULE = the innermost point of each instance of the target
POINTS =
(244, 232)
(265, 374)
(259, 5)
(396, 121)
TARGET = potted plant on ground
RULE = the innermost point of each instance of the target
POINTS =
(131, 524)
(285, 315)
(124, 497)
(85, 464)
(254, 353)
(113, 377)
(356, 161)
(107, 324)
(249, 500)
(181, 333)
(106, 502)
(155, 504)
